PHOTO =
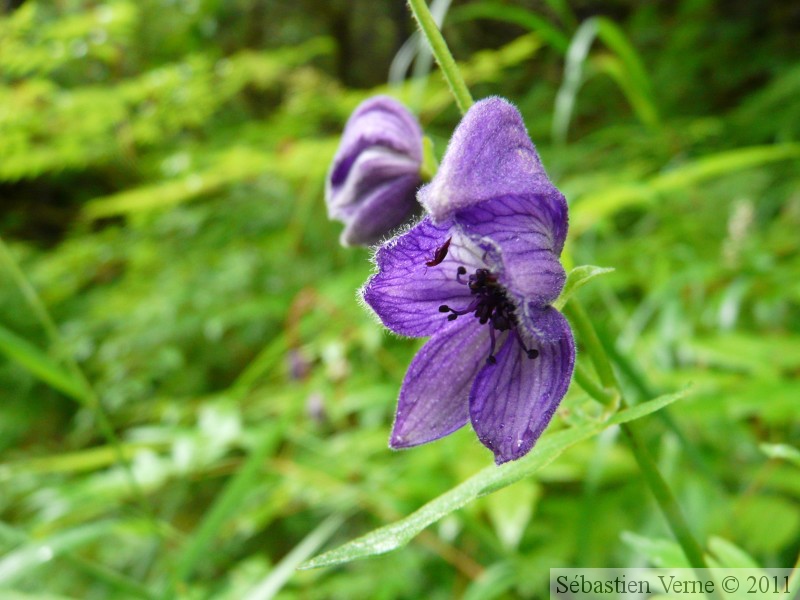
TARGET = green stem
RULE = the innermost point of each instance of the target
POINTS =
(663, 495)
(666, 500)
(591, 387)
(442, 54)
(581, 322)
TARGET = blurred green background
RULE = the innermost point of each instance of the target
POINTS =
(191, 399)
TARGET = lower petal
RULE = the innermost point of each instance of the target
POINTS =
(511, 402)
(434, 399)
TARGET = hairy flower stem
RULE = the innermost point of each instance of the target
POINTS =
(442, 54)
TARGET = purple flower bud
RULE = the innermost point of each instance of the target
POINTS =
(372, 182)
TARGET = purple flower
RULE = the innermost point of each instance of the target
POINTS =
(478, 275)
(375, 173)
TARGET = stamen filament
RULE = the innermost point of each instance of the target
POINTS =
(491, 305)
(491, 360)
(532, 352)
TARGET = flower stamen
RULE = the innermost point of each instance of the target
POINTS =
(491, 360)
(490, 305)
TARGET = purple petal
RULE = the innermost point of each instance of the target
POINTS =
(377, 202)
(371, 183)
(524, 236)
(490, 155)
(434, 399)
(512, 401)
(406, 293)
(379, 121)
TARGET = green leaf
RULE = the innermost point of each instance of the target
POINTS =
(782, 451)
(429, 163)
(39, 364)
(227, 502)
(730, 556)
(576, 279)
(623, 65)
(510, 511)
(33, 555)
(567, 94)
(278, 577)
(127, 587)
(490, 479)
(616, 40)
(591, 208)
(90, 459)
(494, 582)
(658, 551)
(638, 97)
(516, 15)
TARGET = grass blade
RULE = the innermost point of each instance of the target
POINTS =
(278, 577)
(624, 66)
(516, 15)
(576, 279)
(637, 96)
(225, 505)
(33, 555)
(591, 208)
(573, 78)
(395, 535)
(40, 365)
(616, 41)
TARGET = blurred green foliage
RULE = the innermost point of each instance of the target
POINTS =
(167, 262)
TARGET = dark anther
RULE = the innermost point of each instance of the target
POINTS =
(490, 304)
(532, 352)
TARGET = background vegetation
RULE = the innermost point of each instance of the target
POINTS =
(191, 401)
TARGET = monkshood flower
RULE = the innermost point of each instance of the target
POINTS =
(372, 182)
(478, 275)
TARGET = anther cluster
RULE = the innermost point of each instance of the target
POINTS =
(490, 305)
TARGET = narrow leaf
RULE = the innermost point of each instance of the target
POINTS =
(782, 451)
(616, 40)
(591, 208)
(226, 504)
(576, 279)
(278, 577)
(490, 479)
(39, 364)
(33, 555)
(638, 97)
(573, 78)
(516, 15)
